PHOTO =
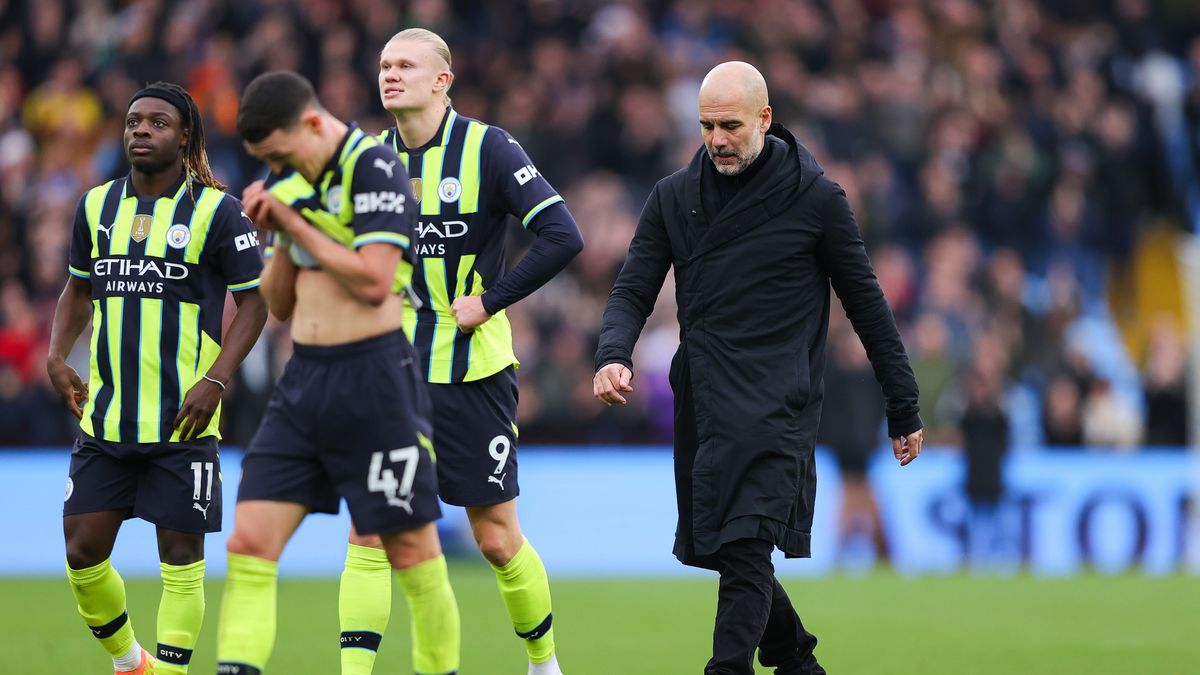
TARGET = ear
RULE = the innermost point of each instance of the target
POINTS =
(764, 119)
(311, 119)
(183, 139)
(443, 81)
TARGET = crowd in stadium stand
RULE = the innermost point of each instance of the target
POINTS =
(1021, 172)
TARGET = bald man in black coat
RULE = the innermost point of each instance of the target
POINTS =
(757, 235)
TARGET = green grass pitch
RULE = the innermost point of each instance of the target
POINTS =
(877, 624)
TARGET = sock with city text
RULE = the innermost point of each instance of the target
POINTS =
(364, 607)
(180, 615)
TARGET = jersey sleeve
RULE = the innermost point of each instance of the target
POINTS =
(233, 241)
(382, 199)
(520, 189)
(79, 260)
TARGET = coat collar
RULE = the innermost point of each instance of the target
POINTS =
(790, 171)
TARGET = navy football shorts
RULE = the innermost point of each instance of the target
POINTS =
(173, 485)
(476, 431)
(348, 421)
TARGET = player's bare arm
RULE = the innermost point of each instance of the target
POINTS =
(279, 275)
(70, 318)
(202, 399)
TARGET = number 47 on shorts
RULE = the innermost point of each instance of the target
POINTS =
(379, 479)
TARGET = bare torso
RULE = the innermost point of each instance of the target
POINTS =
(326, 314)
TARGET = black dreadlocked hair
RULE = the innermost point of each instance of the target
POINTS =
(195, 156)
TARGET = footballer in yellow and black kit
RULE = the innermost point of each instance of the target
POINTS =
(317, 441)
(468, 180)
(160, 267)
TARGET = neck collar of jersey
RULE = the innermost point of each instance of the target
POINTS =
(171, 192)
(440, 138)
(348, 142)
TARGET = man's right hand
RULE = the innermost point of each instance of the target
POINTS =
(67, 383)
(610, 381)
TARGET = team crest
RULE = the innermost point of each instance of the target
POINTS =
(141, 228)
(449, 190)
(333, 199)
(70, 489)
(178, 235)
(416, 188)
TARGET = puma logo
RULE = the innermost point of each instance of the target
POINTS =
(106, 230)
(498, 481)
(201, 509)
(405, 503)
(386, 167)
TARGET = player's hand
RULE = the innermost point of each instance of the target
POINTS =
(263, 208)
(610, 381)
(198, 408)
(67, 383)
(907, 448)
(468, 311)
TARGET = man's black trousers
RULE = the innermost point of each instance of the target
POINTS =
(753, 611)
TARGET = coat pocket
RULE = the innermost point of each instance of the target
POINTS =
(798, 394)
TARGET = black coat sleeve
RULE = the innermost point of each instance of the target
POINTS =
(844, 259)
(637, 287)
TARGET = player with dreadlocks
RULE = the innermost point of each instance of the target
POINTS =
(153, 255)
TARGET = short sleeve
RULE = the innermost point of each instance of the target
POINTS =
(79, 260)
(233, 240)
(382, 199)
(520, 189)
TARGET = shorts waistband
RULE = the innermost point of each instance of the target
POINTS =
(381, 342)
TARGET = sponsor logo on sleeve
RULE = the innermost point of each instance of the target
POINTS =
(245, 241)
(379, 202)
(526, 174)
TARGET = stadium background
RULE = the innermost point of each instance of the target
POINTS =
(1027, 178)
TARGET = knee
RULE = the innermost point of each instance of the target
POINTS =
(369, 540)
(83, 554)
(245, 541)
(498, 543)
(182, 554)
(413, 547)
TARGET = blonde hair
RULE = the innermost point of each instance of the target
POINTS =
(433, 40)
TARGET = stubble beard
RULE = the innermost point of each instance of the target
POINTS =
(743, 160)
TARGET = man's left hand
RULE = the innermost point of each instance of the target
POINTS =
(906, 448)
(198, 408)
(468, 311)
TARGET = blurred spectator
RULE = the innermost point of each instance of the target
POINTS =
(1002, 159)
(851, 426)
(985, 439)
(1166, 393)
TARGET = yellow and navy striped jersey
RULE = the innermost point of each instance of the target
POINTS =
(361, 197)
(467, 181)
(159, 269)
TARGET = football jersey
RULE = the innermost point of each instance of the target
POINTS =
(467, 181)
(159, 269)
(361, 197)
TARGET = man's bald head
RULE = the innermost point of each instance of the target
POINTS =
(735, 81)
(734, 115)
